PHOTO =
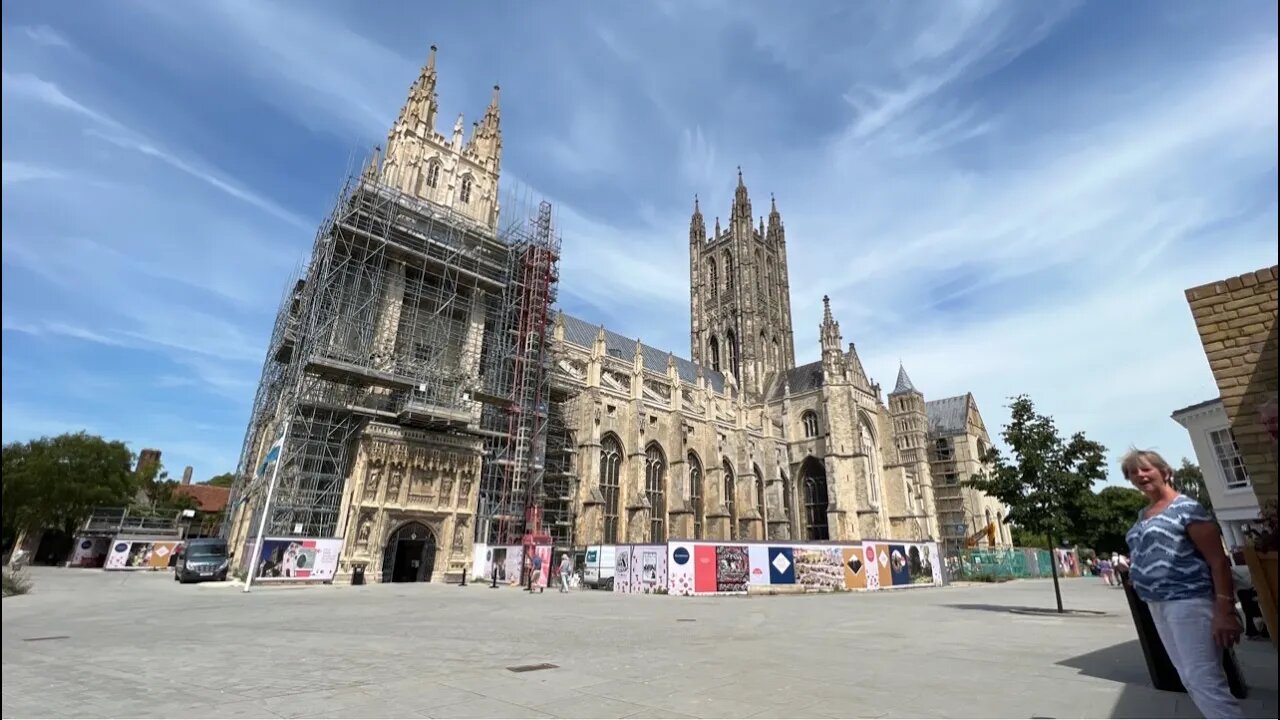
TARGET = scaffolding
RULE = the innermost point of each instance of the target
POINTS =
(517, 387)
(412, 314)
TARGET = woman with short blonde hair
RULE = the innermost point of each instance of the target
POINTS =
(1177, 566)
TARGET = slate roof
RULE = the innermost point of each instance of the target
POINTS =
(904, 382)
(802, 379)
(1197, 406)
(948, 416)
(583, 334)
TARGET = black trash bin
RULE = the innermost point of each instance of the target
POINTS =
(1164, 676)
(357, 575)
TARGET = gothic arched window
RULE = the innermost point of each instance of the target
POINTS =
(713, 279)
(713, 346)
(731, 349)
(760, 495)
(730, 498)
(788, 499)
(728, 272)
(433, 173)
(810, 421)
(868, 442)
(655, 482)
(465, 193)
(695, 494)
(610, 469)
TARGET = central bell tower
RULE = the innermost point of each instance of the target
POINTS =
(740, 296)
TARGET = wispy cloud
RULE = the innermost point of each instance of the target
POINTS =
(1009, 196)
(45, 35)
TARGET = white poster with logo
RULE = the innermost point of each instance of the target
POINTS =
(680, 569)
(758, 559)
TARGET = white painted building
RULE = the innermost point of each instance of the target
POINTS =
(1225, 476)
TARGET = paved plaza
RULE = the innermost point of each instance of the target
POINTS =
(89, 643)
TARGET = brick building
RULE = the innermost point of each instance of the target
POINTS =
(1236, 319)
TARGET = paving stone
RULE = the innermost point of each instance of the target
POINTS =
(144, 646)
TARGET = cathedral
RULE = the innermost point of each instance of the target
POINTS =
(734, 441)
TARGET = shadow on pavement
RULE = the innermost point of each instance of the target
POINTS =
(1124, 663)
(1027, 610)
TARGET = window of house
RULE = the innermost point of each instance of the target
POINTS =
(810, 421)
(465, 194)
(433, 174)
(1228, 454)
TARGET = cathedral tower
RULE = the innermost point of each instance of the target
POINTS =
(455, 172)
(740, 296)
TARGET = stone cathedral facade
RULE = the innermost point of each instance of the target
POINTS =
(740, 442)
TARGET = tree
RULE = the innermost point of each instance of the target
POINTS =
(1047, 487)
(1113, 511)
(56, 482)
(223, 480)
(1189, 481)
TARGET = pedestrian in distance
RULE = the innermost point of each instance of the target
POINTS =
(566, 569)
(535, 578)
(1177, 566)
(1108, 572)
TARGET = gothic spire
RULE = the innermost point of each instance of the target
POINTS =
(419, 110)
(904, 384)
(697, 227)
(741, 201)
(492, 116)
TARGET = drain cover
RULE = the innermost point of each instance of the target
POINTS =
(686, 620)
(50, 637)
(532, 668)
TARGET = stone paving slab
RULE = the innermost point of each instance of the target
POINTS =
(140, 645)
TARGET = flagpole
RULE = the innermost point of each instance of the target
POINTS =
(266, 510)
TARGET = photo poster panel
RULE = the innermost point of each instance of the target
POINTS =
(479, 561)
(544, 552)
(819, 567)
(733, 568)
(90, 552)
(140, 554)
(507, 558)
(877, 558)
(680, 568)
(854, 563)
(298, 559)
(641, 569)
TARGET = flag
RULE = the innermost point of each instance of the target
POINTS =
(272, 455)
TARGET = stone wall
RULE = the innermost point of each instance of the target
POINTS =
(1236, 319)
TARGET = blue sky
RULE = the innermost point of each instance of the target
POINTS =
(1007, 197)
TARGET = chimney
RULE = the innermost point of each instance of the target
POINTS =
(186, 475)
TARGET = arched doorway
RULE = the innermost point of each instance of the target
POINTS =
(410, 554)
(814, 484)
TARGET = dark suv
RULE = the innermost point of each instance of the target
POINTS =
(202, 559)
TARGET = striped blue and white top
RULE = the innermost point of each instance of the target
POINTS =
(1165, 564)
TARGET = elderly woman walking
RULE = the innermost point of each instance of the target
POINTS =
(1178, 567)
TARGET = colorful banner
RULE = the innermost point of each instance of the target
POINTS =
(141, 554)
(298, 559)
(90, 552)
(705, 568)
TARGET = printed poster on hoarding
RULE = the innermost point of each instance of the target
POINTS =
(855, 568)
(297, 559)
(680, 575)
(733, 569)
(141, 554)
(90, 552)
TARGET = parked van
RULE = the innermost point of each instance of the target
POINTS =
(599, 566)
(202, 559)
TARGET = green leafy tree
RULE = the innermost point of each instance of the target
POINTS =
(57, 482)
(223, 480)
(1189, 481)
(1112, 512)
(1047, 484)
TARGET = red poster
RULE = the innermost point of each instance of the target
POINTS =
(704, 568)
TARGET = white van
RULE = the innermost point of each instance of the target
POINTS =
(599, 566)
